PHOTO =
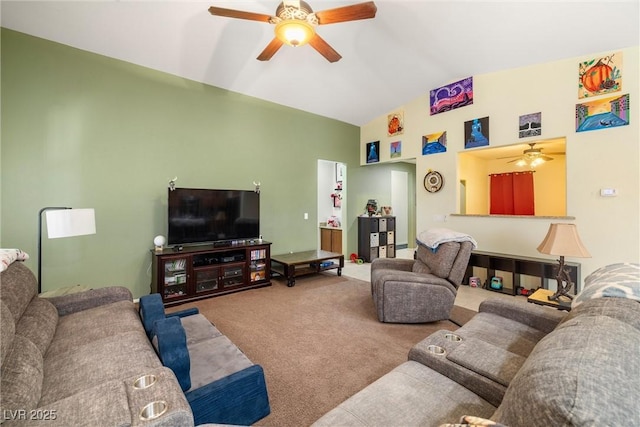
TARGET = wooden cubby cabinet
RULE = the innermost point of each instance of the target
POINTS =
(200, 272)
(376, 237)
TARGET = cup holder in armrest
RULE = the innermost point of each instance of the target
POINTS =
(153, 410)
(436, 349)
(144, 381)
(453, 337)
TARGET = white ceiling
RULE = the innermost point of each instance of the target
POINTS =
(409, 48)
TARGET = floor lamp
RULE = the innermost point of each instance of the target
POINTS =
(63, 222)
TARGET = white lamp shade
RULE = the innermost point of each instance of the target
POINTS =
(70, 222)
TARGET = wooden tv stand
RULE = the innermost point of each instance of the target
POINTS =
(197, 272)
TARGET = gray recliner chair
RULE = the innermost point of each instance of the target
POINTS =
(421, 290)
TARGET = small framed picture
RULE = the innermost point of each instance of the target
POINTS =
(373, 152)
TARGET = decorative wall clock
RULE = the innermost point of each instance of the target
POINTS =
(433, 181)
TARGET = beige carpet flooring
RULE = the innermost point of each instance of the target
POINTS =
(319, 342)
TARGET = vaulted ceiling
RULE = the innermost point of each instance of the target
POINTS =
(409, 48)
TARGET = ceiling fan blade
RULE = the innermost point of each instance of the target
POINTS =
(511, 161)
(324, 49)
(239, 14)
(347, 13)
(270, 50)
(508, 157)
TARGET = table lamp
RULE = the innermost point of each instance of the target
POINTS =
(63, 222)
(563, 240)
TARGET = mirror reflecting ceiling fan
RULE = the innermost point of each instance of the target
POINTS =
(295, 24)
(531, 157)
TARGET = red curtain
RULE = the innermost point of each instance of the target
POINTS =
(501, 194)
(512, 194)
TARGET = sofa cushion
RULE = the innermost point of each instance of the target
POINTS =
(616, 280)
(198, 328)
(94, 324)
(437, 261)
(38, 323)
(585, 372)
(80, 367)
(214, 359)
(7, 330)
(409, 395)
(19, 286)
(488, 360)
(508, 334)
(22, 376)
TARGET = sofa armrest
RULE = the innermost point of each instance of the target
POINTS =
(400, 264)
(544, 319)
(170, 340)
(237, 399)
(151, 309)
(73, 303)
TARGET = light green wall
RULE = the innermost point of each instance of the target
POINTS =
(83, 130)
(376, 184)
(609, 226)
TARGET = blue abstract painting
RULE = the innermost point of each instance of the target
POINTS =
(602, 114)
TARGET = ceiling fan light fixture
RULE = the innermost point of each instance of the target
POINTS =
(294, 32)
(536, 162)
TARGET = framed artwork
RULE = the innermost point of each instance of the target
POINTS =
(395, 123)
(530, 125)
(602, 113)
(395, 149)
(451, 96)
(373, 152)
(600, 76)
(476, 133)
(434, 143)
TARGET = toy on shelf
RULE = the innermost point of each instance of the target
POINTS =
(496, 283)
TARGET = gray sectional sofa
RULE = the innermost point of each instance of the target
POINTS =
(519, 364)
(80, 360)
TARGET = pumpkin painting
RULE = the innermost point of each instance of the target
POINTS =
(598, 77)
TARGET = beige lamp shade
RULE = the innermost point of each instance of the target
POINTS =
(563, 240)
(70, 222)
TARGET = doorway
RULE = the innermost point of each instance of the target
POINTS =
(400, 204)
(332, 205)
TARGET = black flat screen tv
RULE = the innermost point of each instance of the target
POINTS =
(198, 216)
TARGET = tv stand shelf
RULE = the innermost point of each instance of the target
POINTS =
(191, 273)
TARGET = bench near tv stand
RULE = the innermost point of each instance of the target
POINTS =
(543, 268)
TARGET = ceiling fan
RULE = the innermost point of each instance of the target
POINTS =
(295, 23)
(531, 157)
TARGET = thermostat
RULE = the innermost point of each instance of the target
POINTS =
(608, 192)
